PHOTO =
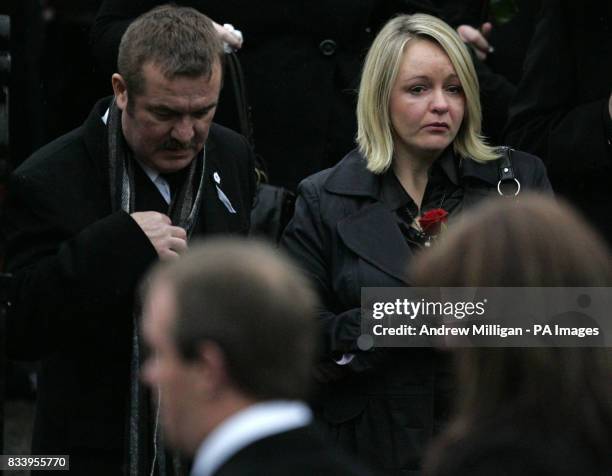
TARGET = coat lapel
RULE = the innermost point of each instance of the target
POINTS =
(372, 233)
(215, 215)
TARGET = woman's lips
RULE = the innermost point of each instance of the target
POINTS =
(437, 127)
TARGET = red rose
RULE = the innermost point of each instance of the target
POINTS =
(431, 221)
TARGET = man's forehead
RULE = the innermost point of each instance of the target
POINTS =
(154, 73)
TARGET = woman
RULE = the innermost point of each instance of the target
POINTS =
(356, 225)
(538, 411)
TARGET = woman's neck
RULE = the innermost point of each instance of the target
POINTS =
(412, 173)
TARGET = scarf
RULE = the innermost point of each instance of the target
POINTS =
(143, 424)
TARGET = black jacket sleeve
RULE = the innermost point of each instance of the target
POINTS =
(67, 283)
(308, 240)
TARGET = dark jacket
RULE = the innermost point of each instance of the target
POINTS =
(560, 112)
(299, 452)
(77, 266)
(344, 237)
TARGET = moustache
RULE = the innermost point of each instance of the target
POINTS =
(174, 145)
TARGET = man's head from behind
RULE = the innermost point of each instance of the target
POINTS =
(229, 324)
(168, 83)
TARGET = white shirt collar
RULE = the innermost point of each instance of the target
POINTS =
(254, 423)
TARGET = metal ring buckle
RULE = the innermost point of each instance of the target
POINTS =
(518, 187)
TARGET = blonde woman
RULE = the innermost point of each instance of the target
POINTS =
(357, 224)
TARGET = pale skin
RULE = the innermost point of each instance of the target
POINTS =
(426, 110)
(477, 38)
(228, 36)
(168, 240)
(197, 395)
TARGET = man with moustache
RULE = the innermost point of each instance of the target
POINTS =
(88, 214)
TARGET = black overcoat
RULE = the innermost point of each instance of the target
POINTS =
(76, 268)
(384, 405)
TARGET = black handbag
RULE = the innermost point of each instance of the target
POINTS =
(273, 206)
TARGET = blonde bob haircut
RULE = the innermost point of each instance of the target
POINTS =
(382, 64)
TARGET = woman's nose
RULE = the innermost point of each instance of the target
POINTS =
(439, 102)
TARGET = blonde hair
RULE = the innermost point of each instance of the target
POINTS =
(380, 70)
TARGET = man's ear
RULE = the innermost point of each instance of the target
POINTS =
(213, 370)
(120, 90)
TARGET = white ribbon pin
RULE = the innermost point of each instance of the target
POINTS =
(224, 200)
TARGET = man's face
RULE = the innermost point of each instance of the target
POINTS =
(178, 381)
(167, 125)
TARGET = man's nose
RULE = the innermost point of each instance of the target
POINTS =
(183, 130)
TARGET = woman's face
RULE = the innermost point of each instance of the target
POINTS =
(427, 101)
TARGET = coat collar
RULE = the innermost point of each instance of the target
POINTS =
(372, 233)
(363, 230)
(375, 223)
(351, 176)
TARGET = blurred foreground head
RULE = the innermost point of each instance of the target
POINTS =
(538, 242)
(229, 324)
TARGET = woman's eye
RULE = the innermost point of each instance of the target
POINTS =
(454, 89)
(416, 90)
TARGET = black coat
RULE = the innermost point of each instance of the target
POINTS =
(299, 452)
(560, 112)
(384, 405)
(76, 268)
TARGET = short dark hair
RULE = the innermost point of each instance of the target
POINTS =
(180, 40)
(248, 299)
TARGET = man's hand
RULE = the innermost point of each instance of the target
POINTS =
(477, 38)
(169, 241)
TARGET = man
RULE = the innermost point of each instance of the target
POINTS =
(232, 337)
(91, 211)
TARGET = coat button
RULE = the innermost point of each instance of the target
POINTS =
(328, 47)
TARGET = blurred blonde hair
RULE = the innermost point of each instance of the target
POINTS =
(382, 64)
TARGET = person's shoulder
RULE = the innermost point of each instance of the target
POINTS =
(225, 137)
(349, 172)
(526, 160)
(531, 169)
(299, 452)
(57, 153)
